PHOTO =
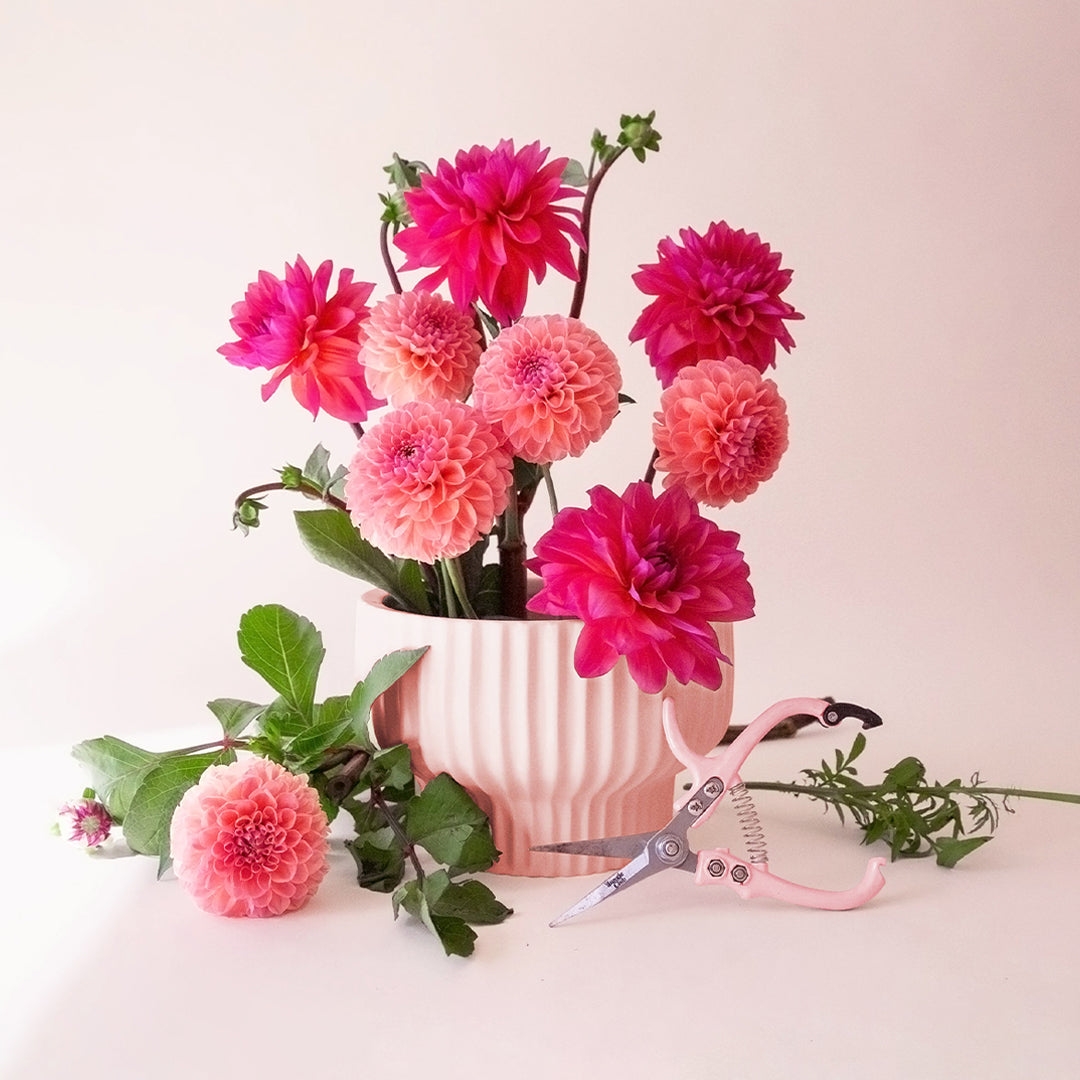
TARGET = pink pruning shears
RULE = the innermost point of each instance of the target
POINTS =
(713, 777)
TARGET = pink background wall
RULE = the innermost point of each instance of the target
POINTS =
(916, 164)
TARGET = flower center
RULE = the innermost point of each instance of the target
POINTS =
(255, 844)
(538, 370)
(405, 451)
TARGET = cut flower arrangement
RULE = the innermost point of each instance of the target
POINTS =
(461, 404)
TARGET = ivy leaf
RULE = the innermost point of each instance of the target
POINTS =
(116, 769)
(444, 820)
(146, 827)
(234, 715)
(286, 650)
(951, 850)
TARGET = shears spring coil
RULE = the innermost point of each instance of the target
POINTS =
(757, 850)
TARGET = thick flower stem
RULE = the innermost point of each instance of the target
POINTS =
(304, 489)
(512, 560)
(650, 472)
(586, 216)
(384, 247)
(395, 827)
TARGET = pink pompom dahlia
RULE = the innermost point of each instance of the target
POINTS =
(85, 821)
(647, 575)
(716, 295)
(419, 347)
(249, 839)
(487, 221)
(721, 430)
(552, 386)
(291, 328)
(428, 480)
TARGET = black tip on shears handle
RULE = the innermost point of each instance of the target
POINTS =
(844, 710)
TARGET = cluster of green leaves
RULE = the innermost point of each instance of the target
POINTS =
(403, 176)
(636, 134)
(914, 817)
(330, 741)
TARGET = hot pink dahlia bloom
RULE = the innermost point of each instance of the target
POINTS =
(290, 328)
(85, 821)
(647, 575)
(721, 430)
(716, 295)
(488, 220)
(249, 839)
(551, 384)
(419, 347)
(428, 480)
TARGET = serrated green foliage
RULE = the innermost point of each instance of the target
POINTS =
(116, 770)
(470, 900)
(333, 540)
(384, 673)
(444, 820)
(913, 817)
(234, 715)
(391, 771)
(146, 826)
(286, 650)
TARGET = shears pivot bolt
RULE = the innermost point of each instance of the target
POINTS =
(713, 788)
(695, 806)
(670, 849)
(716, 868)
(739, 874)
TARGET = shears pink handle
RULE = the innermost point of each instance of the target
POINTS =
(750, 879)
(747, 880)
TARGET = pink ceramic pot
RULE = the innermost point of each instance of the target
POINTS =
(548, 755)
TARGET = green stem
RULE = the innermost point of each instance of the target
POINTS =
(304, 489)
(384, 247)
(226, 743)
(586, 220)
(447, 589)
(457, 582)
(650, 472)
(395, 827)
(837, 795)
(550, 485)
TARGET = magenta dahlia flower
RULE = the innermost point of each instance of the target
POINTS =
(85, 821)
(290, 328)
(487, 221)
(419, 347)
(647, 575)
(249, 839)
(552, 386)
(716, 295)
(428, 480)
(721, 430)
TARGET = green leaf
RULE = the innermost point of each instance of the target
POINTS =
(332, 721)
(951, 851)
(383, 674)
(444, 820)
(116, 769)
(391, 770)
(412, 587)
(905, 774)
(317, 468)
(626, 399)
(234, 715)
(471, 900)
(286, 650)
(454, 934)
(380, 861)
(574, 174)
(330, 537)
(146, 826)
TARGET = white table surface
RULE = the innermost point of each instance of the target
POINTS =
(963, 973)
